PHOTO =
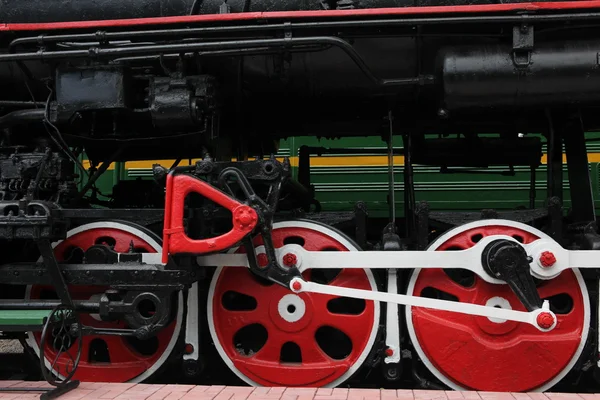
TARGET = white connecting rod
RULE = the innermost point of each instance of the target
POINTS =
(469, 259)
(299, 285)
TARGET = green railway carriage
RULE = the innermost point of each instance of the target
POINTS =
(344, 178)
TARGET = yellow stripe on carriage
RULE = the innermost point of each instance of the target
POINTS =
(323, 161)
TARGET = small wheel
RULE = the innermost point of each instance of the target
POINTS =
(478, 353)
(107, 358)
(269, 336)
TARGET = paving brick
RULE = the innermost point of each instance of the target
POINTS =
(171, 392)
(388, 394)
(276, 391)
(537, 396)
(25, 384)
(29, 396)
(563, 396)
(179, 388)
(76, 394)
(175, 395)
(260, 391)
(111, 394)
(6, 384)
(404, 394)
(200, 388)
(332, 394)
(289, 397)
(133, 396)
(301, 393)
(10, 396)
(263, 398)
(235, 393)
(95, 385)
(430, 395)
(143, 388)
(471, 395)
(97, 394)
(120, 386)
(496, 396)
(203, 393)
(364, 394)
(589, 396)
(454, 395)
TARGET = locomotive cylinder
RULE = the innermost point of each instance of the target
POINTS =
(552, 74)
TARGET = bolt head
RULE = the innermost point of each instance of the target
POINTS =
(296, 285)
(290, 259)
(545, 320)
(547, 259)
(389, 352)
(262, 260)
(189, 348)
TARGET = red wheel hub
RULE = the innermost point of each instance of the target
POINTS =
(106, 358)
(292, 330)
(478, 353)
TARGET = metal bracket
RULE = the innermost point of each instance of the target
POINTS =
(522, 45)
(175, 240)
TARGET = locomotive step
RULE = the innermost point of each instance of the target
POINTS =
(22, 320)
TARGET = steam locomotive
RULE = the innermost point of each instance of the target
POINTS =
(225, 267)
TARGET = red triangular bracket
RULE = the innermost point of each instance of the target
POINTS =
(175, 241)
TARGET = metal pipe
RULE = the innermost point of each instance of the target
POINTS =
(97, 52)
(222, 53)
(80, 305)
(21, 104)
(107, 36)
(19, 116)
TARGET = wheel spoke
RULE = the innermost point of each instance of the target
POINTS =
(351, 325)
(438, 279)
(271, 351)
(310, 350)
(351, 278)
(242, 281)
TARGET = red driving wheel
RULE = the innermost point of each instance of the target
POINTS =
(107, 358)
(270, 336)
(480, 353)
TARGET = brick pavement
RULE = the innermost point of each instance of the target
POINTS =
(130, 391)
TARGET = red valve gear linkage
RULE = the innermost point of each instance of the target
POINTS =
(175, 240)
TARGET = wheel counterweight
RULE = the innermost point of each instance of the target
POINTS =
(269, 336)
(107, 358)
(489, 354)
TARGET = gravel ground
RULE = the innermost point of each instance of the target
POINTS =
(10, 346)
